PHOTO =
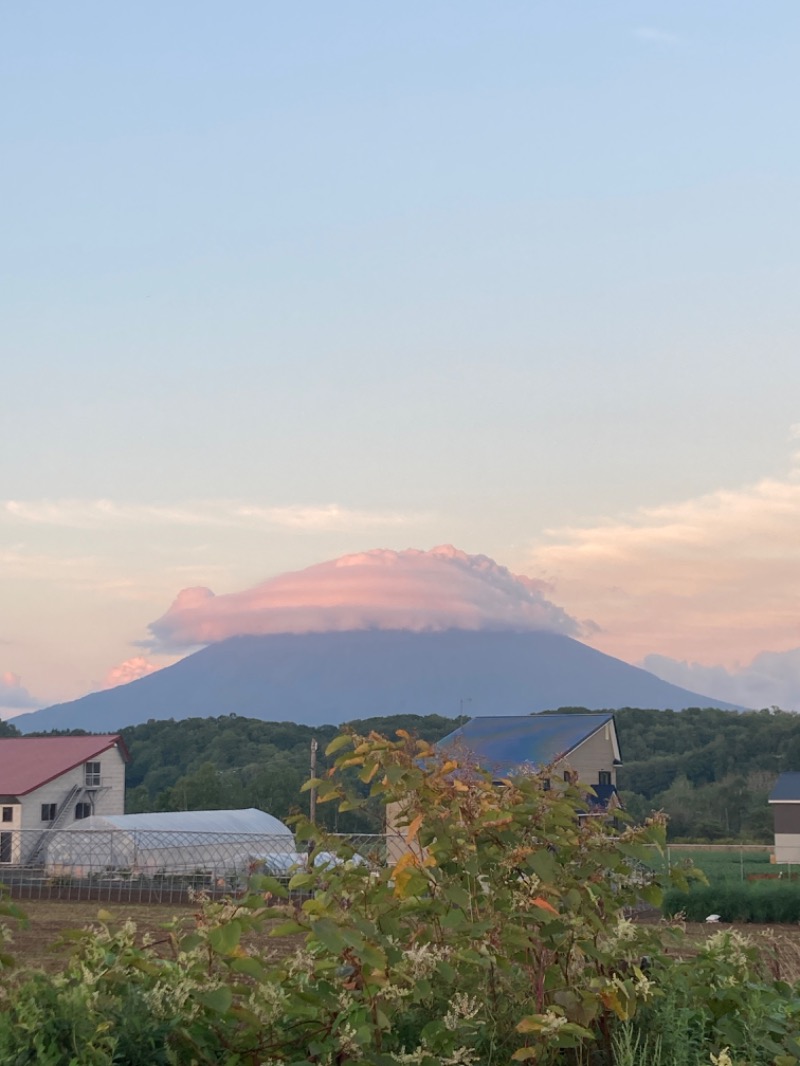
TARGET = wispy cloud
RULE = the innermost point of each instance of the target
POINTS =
(772, 679)
(712, 579)
(226, 514)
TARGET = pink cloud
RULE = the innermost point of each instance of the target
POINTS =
(416, 590)
(13, 695)
(713, 579)
(130, 670)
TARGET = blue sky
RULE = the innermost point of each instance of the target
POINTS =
(487, 274)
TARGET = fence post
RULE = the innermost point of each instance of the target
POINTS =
(741, 861)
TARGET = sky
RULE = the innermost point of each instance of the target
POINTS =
(285, 283)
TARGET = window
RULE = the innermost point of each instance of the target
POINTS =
(8, 814)
(82, 810)
(569, 777)
(48, 812)
(5, 847)
(604, 777)
(546, 784)
(93, 775)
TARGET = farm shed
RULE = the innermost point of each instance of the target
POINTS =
(173, 842)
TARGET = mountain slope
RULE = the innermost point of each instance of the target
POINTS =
(329, 678)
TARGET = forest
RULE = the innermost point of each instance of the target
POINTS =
(710, 771)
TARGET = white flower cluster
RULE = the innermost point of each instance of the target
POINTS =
(734, 949)
(462, 1008)
(552, 1022)
(461, 1056)
(421, 959)
(723, 1059)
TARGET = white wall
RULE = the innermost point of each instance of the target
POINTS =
(787, 847)
(108, 799)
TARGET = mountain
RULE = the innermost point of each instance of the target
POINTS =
(330, 678)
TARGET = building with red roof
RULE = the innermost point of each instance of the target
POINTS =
(48, 783)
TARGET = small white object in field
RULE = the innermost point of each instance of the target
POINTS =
(713, 918)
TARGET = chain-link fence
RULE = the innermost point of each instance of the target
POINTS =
(726, 862)
(163, 866)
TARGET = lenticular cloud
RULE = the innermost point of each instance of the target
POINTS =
(413, 590)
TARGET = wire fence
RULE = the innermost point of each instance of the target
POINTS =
(727, 862)
(159, 866)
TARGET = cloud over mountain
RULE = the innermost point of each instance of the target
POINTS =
(443, 588)
(772, 679)
(14, 696)
(130, 670)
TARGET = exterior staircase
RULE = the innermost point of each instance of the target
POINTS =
(35, 856)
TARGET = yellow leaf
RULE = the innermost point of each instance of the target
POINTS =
(407, 859)
(413, 829)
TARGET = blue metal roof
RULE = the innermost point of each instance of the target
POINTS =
(787, 788)
(502, 745)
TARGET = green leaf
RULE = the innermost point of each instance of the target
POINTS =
(329, 935)
(543, 865)
(216, 999)
(302, 881)
(250, 967)
(312, 782)
(264, 883)
(225, 938)
(338, 743)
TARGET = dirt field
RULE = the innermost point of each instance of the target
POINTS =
(37, 944)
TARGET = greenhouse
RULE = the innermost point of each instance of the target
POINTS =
(215, 843)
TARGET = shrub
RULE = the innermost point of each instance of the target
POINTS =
(749, 901)
(498, 937)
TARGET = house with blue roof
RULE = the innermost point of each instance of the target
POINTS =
(576, 748)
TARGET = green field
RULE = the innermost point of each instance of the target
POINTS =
(743, 886)
(723, 865)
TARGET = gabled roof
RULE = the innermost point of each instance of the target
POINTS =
(787, 789)
(27, 763)
(248, 822)
(502, 745)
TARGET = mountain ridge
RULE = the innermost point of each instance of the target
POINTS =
(331, 678)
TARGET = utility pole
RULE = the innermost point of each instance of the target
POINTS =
(312, 796)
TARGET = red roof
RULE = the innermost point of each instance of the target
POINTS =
(27, 763)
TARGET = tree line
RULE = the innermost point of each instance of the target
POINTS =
(711, 771)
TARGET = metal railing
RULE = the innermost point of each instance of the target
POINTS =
(163, 866)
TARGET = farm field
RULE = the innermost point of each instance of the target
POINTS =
(726, 864)
(37, 944)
